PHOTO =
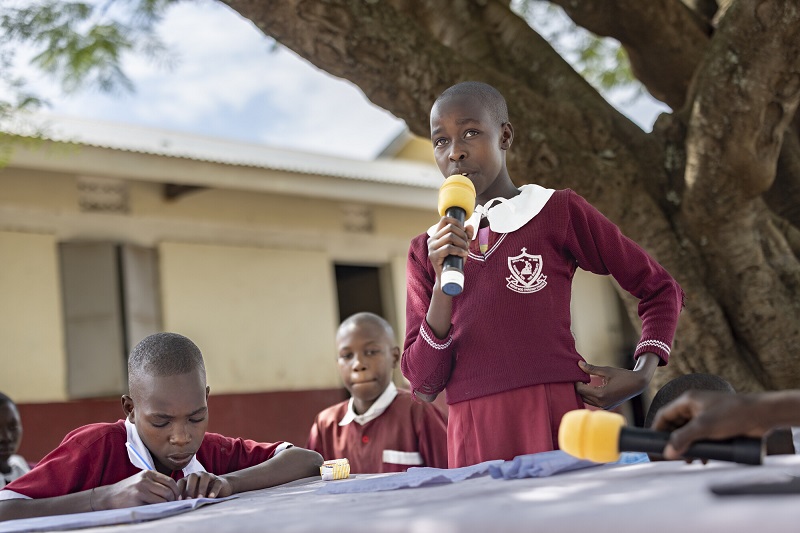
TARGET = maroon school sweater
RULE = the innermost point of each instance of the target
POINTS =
(406, 428)
(510, 327)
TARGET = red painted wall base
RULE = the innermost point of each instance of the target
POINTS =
(265, 417)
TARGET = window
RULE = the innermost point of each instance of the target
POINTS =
(110, 303)
(363, 288)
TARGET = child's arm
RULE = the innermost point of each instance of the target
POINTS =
(599, 246)
(618, 384)
(289, 465)
(143, 488)
(428, 351)
(699, 415)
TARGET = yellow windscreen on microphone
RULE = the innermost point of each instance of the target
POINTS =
(591, 435)
(457, 191)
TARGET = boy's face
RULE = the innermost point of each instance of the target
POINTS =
(171, 416)
(468, 140)
(367, 357)
(10, 431)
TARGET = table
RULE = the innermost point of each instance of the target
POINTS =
(646, 498)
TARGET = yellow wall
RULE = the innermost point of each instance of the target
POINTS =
(417, 149)
(31, 330)
(264, 318)
(247, 275)
(597, 319)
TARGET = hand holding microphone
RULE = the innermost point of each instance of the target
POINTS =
(456, 200)
(600, 436)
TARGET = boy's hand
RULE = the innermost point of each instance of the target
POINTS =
(148, 486)
(450, 239)
(203, 485)
(617, 385)
(698, 415)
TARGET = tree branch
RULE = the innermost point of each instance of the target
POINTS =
(746, 92)
(784, 195)
(664, 40)
(403, 53)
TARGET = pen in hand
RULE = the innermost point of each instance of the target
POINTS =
(137, 454)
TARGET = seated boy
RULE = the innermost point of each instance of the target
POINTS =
(160, 452)
(12, 465)
(381, 428)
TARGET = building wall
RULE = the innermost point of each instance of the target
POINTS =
(264, 417)
(264, 318)
(31, 333)
(598, 320)
(248, 275)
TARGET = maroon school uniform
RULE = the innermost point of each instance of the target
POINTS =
(408, 433)
(510, 327)
(95, 455)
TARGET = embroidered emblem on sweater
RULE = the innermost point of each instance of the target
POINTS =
(526, 273)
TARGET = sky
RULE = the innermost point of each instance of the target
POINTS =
(227, 80)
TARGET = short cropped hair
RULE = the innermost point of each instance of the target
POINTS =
(681, 384)
(362, 317)
(489, 97)
(164, 354)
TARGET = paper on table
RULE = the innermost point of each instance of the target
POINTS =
(129, 515)
(534, 465)
(414, 477)
(546, 464)
(542, 464)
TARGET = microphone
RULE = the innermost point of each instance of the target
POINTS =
(456, 200)
(599, 436)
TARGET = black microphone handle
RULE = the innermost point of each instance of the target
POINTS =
(456, 213)
(739, 450)
(454, 262)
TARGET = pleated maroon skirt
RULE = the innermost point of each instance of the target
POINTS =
(507, 424)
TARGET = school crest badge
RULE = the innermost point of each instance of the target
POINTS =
(526, 273)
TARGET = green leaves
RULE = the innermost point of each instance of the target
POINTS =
(82, 43)
(602, 61)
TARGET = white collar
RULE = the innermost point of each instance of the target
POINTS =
(507, 215)
(19, 467)
(140, 456)
(375, 410)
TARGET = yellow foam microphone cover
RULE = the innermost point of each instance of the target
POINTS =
(457, 191)
(591, 435)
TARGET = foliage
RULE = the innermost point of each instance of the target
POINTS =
(80, 44)
(602, 61)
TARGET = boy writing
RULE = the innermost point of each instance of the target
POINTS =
(160, 452)
(503, 349)
(381, 428)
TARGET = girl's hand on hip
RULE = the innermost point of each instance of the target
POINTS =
(617, 385)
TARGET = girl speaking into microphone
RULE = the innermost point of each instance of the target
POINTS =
(502, 349)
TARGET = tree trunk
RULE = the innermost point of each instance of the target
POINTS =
(700, 192)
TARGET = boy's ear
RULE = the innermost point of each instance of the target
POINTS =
(506, 136)
(395, 356)
(127, 407)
